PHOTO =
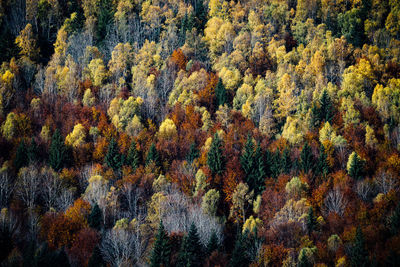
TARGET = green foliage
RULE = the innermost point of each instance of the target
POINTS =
(221, 97)
(358, 253)
(96, 260)
(322, 166)
(193, 153)
(153, 156)
(105, 18)
(215, 159)
(311, 221)
(21, 156)
(133, 158)
(213, 243)
(239, 254)
(352, 26)
(355, 166)
(191, 252)
(57, 152)
(160, 255)
(95, 219)
(113, 159)
(394, 221)
(33, 151)
(306, 158)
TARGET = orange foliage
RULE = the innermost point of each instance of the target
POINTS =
(179, 59)
(83, 246)
(79, 211)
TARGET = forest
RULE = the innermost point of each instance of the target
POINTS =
(199, 133)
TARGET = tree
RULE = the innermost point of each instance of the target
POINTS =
(160, 255)
(96, 260)
(209, 203)
(95, 219)
(105, 18)
(33, 151)
(220, 94)
(133, 158)
(355, 166)
(193, 153)
(215, 159)
(27, 43)
(191, 252)
(21, 156)
(358, 253)
(247, 159)
(152, 155)
(239, 254)
(311, 221)
(322, 166)
(394, 221)
(77, 137)
(57, 152)
(306, 158)
(213, 243)
(326, 110)
(114, 158)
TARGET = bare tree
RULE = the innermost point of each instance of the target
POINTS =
(364, 189)
(65, 199)
(335, 202)
(386, 182)
(28, 185)
(6, 189)
(51, 187)
(131, 195)
(122, 247)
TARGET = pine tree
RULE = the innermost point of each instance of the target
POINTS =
(193, 153)
(113, 157)
(322, 167)
(239, 254)
(276, 164)
(359, 255)
(311, 221)
(259, 170)
(191, 253)
(57, 151)
(220, 94)
(285, 162)
(200, 15)
(304, 262)
(326, 111)
(152, 155)
(212, 243)
(161, 251)
(95, 217)
(133, 158)
(355, 166)
(394, 221)
(247, 158)
(96, 260)
(33, 151)
(306, 160)
(21, 156)
(105, 18)
(215, 159)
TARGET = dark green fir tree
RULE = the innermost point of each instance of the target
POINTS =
(221, 97)
(57, 152)
(213, 243)
(33, 151)
(152, 155)
(95, 219)
(21, 156)
(193, 153)
(306, 158)
(160, 255)
(191, 252)
(215, 159)
(359, 255)
(133, 158)
(113, 158)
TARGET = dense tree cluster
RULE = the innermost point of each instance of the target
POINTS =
(200, 133)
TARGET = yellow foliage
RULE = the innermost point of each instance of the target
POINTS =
(167, 129)
(77, 137)
(251, 224)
